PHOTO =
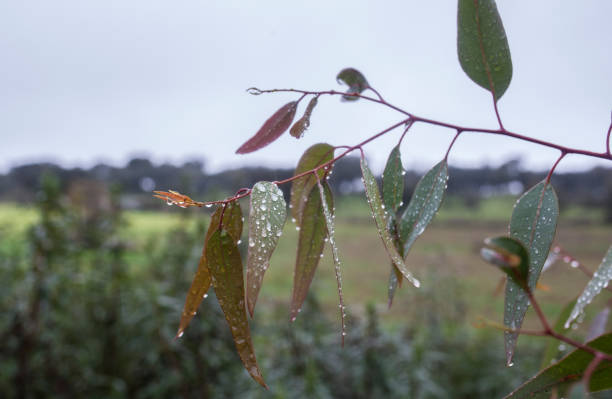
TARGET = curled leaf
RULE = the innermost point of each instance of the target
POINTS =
(223, 259)
(510, 256)
(355, 81)
(232, 223)
(299, 127)
(314, 156)
(313, 234)
(175, 198)
(276, 125)
(482, 45)
(266, 220)
(378, 212)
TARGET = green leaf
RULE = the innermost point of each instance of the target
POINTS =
(225, 267)
(552, 349)
(395, 276)
(331, 233)
(313, 234)
(380, 218)
(482, 45)
(276, 125)
(424, 204)
(266, 221)
(533, 223)
(393, 181)
(232, 222)
(314, 156)
(355, 80)
(569, 371)
(600, 279)
(299, 127)
(510, 256)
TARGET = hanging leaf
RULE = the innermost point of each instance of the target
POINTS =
(424, 205)
(314, 156)
(380, 218)
(355, 80)
(266, 221)
(331, 233)
(271, 129)
(510, 256)
(299, 127)
(568, 371)
(482, 45)
(232, 223)
(600, 280)
(533, 223)
(551, 353)
(223, 260)
(393, 181)
(313, 234)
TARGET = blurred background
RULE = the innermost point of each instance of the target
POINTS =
(103, 102)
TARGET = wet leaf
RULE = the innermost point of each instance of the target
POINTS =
(223, 259)
(569, 371)
(482, 45)
(331, 233)
(271, 129)
(395, 276)
(266, 221)
(380, 218)
(393, 181)
(551, 353)
(302, 124)
(314, 156)
(600, 280)
(533, 223)
(424, 204)
(355, 80)
(232, 222)
(510, 256)
(313, 234)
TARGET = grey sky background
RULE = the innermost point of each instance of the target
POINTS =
(88, 81)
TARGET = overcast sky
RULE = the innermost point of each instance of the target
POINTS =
(89, 81)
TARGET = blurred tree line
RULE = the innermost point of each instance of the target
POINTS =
(86, 313)
(592, 188)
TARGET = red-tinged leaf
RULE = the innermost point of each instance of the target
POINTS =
(232, 222)
(223, 260)
(378, 213)
(510, 255)
(329, 221)
(266, 220)
(271, 129)
(302, 124)
(313, 233)
(314, 156)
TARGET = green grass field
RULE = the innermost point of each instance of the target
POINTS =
(445, 257)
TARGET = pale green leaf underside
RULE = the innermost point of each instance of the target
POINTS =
(266, 220)
(533, 223)
(424, 204)
(331, 233)
(380, 218)
(600, 280)
(482, 45)
(569, 371)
